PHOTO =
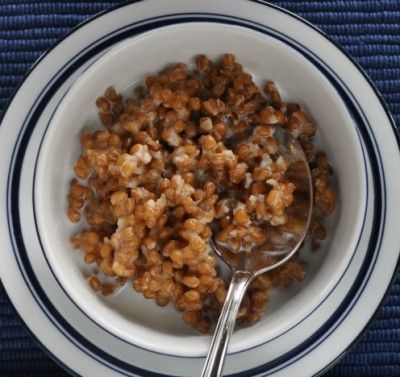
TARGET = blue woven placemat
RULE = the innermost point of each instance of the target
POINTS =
(369, 30)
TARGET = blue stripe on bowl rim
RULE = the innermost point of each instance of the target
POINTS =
(181, 20)
(122, 339)
(122, 5)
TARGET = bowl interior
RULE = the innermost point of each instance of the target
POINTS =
(127, 314)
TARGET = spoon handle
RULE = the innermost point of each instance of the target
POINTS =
(226, 322)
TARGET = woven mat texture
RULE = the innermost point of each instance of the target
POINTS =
(369, 31)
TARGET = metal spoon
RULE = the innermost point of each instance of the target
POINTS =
(282, 244)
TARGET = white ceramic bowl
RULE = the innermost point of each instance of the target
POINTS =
(127, 315)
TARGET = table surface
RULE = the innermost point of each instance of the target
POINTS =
(369, 30)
